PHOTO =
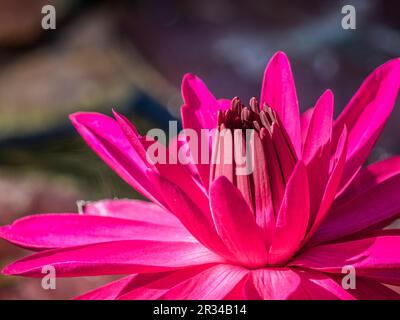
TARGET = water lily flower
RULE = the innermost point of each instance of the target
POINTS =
(308, 209)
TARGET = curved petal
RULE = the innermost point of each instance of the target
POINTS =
(137, 210)
(172, 169)
(132, 137)
(116, 257)
(154, 285)
(320, 126)
(293, 284)
(316, 151)
(376, 257)
(367, 289)
(305, 119)
(319, 286)
(224, 104)
(292, 220)
(198, 112)
(235, 223)
(200, 102)
(107, 140)
(331, 186)
(272, 284)
(279, 92)
(110, 291)
(212, 284)
(198, 222)
(48, 231)
(370, 176)
(370, 203)
(366, 114)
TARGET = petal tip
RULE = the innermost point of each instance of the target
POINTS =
(3, 231)
(188, 77)
(7, 270)
(280, 56)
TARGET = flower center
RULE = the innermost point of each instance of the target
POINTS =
(272, 157)
(239, 116)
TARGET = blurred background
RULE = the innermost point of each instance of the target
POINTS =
(132, 55)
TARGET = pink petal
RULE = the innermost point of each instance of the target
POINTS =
(292, 220)
(224, 104)
(47, 231)
(331, 186)
(273, 284)
(292, 284)
(173, 170)
(154, 285)
(370, 176)
(366, 114)
(235, 223)
(116, 257)
(180, 175)
(376, 257)
(284, 152)
(133, 137)
(137, 210)
(196, 221)
(319, 286)
(198, 112)
(320, 127)
(279, 92)
(110, 291)
(264, 208)
(212, 284)
(274, 172)
(367, 289)
(305, 119)
(105, 137)
(316, 151)
(374, 199)
(200, 101)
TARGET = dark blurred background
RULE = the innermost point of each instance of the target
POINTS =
(132, 55)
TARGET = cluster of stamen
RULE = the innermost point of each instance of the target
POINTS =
(239, 116)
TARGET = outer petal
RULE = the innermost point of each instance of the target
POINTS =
(110, 291)
(316, 151)
(291, 284)
(47, 231)
(172, 169)
(154, 285)
(273, 284)
(279, 92)
(235, 223)
(105, 137)
(292, 220)
(319, 286)
(137, 210)
(198, 223)
(366, 114)
(367, 289)
(305, 119)
(375, 257)
(212, 284)
(117, 257)
(374, 199)
(331, 186)
(320, 127)
(370, 176)
(198, 112)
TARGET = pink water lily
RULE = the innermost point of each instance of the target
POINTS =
(285, 231)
